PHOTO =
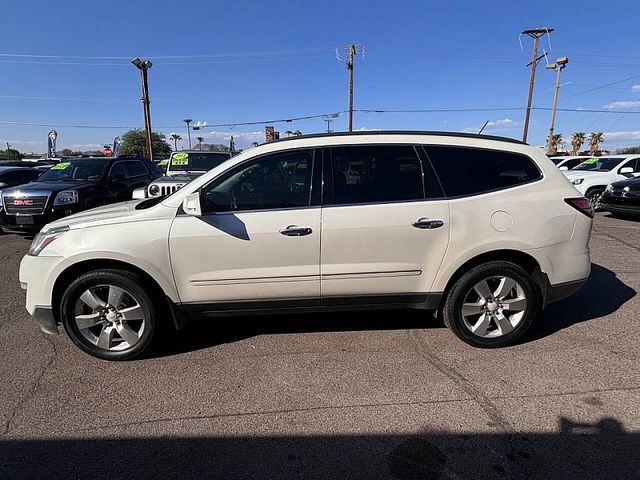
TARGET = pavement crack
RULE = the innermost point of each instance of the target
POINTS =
(34, 388)
(483, 401)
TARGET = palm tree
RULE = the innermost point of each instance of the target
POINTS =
(297, 133)
(595, 139)
(175, 137)
(556, 141)
(288, 132)
(254, 144)
(577, 140)
(200, 140)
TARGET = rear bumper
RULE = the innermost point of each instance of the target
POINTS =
(563, 290)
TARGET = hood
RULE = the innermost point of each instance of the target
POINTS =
(42, 187)
(631, 182)
(570, 174)
(114, 213)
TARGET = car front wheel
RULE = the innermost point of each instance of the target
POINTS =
(594, 196)
(492, 305)
(108, 314)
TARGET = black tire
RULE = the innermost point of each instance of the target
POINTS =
(130, 282)
(452, 309)
(594, 195)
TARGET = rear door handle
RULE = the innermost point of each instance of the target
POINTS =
(427, 224)
(295, 231)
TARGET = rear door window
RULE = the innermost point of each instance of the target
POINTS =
(467, 171)
(375, 174)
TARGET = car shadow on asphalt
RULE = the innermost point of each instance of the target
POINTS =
(210, 332)
(603, 294)
(603, 449)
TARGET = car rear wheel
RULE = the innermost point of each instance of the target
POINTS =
(492, 305)
(108, 314)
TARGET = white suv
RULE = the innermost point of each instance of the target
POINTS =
(592, 176)
(486, 231)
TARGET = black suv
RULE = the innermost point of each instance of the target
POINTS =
(71, 186)
(622, 198)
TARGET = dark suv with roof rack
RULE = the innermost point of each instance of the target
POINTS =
(71, 186)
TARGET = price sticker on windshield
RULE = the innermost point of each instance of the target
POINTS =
(180, 159)
(61, 166)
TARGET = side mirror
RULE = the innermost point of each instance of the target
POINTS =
(625, 170)
(191, 204)
(563, 168)
(117, 177)
(3, 185)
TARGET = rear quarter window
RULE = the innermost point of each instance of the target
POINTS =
(467, 171)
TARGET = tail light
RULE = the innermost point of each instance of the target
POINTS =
(582, 205)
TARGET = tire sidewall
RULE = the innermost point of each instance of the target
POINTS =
(455, 299)
(89, 280)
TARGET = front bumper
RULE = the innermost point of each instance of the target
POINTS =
(625, 205)
(46, 320)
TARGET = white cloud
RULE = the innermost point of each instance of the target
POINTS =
(495, 125)
(622, 105)
(622, 136)
(82, 146)
(635, 88)
(505, 122)
(367, 129)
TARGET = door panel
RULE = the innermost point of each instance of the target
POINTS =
(380, 234)
(243, 256)
(375, 249)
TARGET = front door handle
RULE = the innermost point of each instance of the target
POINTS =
(295, 231)
(427, 224)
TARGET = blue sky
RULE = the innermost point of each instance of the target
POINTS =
(234, 62)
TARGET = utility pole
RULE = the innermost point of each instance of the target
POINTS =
(188, 121)
(352, 53)
(534, 33)
(558, 66)
(144, 66)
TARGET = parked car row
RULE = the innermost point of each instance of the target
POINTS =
(70, 186)
(610, 183)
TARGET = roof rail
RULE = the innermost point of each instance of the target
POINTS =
(404, 132)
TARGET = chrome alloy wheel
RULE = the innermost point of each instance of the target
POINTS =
(494, 307)
(109, 317)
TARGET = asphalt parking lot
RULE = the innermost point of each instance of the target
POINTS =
(336, 395)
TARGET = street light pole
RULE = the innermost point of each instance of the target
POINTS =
(558, 66)
(534, 33)
(144, 66)
(188, 121)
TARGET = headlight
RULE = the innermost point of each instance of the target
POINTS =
(154, 190)
(66, 197)
(577, 181)
(45, 237)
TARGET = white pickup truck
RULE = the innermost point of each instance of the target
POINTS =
(592, 176)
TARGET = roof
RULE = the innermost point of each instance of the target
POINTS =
(403, 132)
(4, 168)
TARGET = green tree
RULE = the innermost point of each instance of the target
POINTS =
(595, 139)
(134, 143)
(297, 133)
(66, 152)
(577, 140)
(11, 154)
(175, 137)
(288, 132)
(556, 141)
(200, 140)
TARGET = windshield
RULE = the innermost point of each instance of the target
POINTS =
(599, 164)
(201, 161)
(80, 169)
